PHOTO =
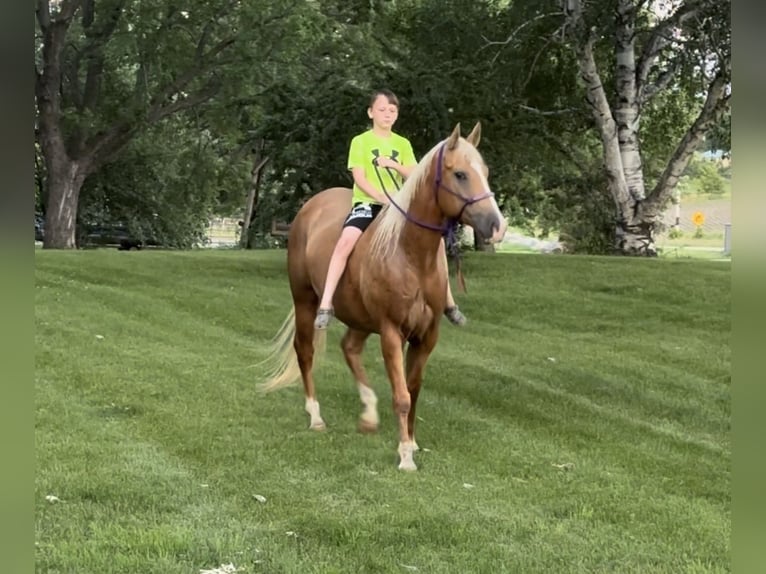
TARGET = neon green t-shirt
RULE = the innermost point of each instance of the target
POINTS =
(365, 148)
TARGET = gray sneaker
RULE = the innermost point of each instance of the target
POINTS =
(455, 316)
(323, 318)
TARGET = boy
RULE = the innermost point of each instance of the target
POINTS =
(378, 159)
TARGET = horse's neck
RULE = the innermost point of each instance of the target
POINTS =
(418, 242)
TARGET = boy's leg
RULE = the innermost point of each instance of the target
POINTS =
(452, 312)
(348, 238)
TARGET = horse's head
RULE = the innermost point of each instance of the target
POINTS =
(462, 189)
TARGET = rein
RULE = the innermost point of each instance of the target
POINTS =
(449, 229)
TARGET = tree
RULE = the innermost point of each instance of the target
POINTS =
(686, 49)
(105, 73)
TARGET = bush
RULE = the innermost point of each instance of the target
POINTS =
(710, 181)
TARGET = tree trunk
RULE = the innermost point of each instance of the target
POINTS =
(259, 162)
(619, 140)
(627, 111)
(63, 184)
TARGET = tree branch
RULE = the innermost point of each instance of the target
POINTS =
(716, 103)
(97, 35)
(200, 51)
(43, 12)
(202, 64)
(97, 39)
(512, 35)
(533, 65)
(548, 113)
(67, 9)
(199, 97)
(105, 144)
(660, 38)
(568, 152)
(662, 82)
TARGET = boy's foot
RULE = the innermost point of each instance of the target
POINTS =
(323, 318)
(455, 316)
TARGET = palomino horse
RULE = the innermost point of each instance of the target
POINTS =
(395, 282)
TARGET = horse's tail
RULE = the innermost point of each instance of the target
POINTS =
(285, 370)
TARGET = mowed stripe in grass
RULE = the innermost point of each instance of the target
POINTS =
(579, 423)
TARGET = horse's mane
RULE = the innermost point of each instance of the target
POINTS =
(391, 221)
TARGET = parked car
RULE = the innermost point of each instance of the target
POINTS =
(100, 234)
(112, 234)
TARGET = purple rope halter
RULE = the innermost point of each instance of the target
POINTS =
(449, 229)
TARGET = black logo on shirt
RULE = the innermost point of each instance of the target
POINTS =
(391, 173)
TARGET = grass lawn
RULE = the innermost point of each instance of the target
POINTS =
(579, 423)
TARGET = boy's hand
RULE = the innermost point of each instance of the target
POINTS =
(385, 161)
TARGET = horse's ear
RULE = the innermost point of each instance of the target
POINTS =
(475, 136)
(454, 137)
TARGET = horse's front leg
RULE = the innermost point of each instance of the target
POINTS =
(417, 357)
(353, 346)
(391, 342)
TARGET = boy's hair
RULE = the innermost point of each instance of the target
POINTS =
(391, 96)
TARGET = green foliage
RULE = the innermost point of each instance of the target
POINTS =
(160, 188)
(665, 120)
(296, 75)
(710, 181)
(703, 176)
(590, 226)
(719, 138)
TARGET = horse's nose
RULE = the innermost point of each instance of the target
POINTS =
(490, 225)
(500, 229)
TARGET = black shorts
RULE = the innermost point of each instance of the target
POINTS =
(362, 214)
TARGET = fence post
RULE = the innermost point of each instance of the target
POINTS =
(727, 239)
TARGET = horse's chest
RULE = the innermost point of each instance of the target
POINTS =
(406, 297)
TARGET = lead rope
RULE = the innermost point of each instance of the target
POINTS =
(453, 250)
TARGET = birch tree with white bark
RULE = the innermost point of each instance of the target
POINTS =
(654, 46)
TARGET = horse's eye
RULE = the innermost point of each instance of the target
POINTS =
(461, 175)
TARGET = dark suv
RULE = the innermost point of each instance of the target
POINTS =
(100, 234)
(111, 234)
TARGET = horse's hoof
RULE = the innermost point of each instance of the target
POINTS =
(367, 427)
(320, 426)
(409, 466)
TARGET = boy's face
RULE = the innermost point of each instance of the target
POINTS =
(383, 113)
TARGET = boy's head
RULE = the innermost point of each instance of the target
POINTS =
(383, 109)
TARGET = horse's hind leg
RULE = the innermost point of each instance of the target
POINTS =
(304, 349)
(353, 345)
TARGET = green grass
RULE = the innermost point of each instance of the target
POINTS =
(586, 403)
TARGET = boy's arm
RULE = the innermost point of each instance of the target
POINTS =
(404, 170)
(408, 161)
(366, 186)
